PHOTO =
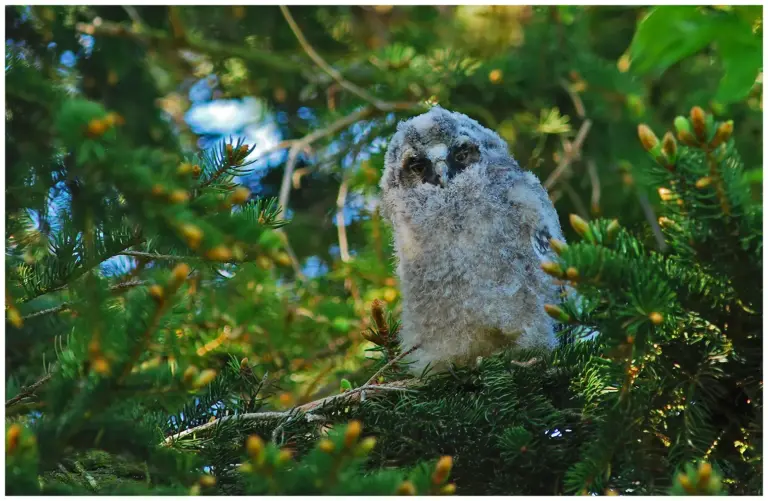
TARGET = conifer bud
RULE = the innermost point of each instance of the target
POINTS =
(656, 317)
(284, 456)
(406, 489)
(558, 246)
(12, 437)
(669, 147)
(495, 76)
(207, 481)
(557, 313)
(442, 470)
(180, 272)
(698, 119)
(14, 317)
(685, 483)
(552, 269)
(448, 490)
(194, 490)
(97, 127)
(581, 227)
(377, 311)
(192, 234)
(113, 118)
(682, 124)
(665, 222)
(228, 149)
(156, 292)
(94, 347)
(184, 168)
(705, 474)
(100, 366)
(611, 230)
(353, 433)
(366, 446)
(723, 134)
(647, 137)
(158, 190)
(243, 363)
(254, 446)
(572, 274)
(219, 253)
(178, 196)
(240, 195)
(665, 194)
(703, 182)
(190, 374)
(326, 446)
(205, 377)
(196, 171)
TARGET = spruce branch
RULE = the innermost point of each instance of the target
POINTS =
(29, 390)
(352, 395)
(148, 35)
(389, 364)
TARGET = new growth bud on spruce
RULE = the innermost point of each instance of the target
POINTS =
(448, 490)
(647, 137)
(557, 313)
(326, 446)
(684, 131)
(406, 489)
(156, 292)
(12, 438)
(377, 311)
(178, 197)
(205, 377)
(558, 246)
(240, 195)
(196, 171)
(284, 456)
(552, 269)
(354, 428)
(190, 374)
(581, 227)
(192, 234)
(219, 253)
(100, 366)
(656, 317)
(572, 274)
(612, 230)
(184, 169)
(442, 470)
(366, 446)
(158, 190)
(703, 182)
(669, 147)
(254, 446)
(699, 121)
(207, 481)
(180, 272)
(723, 134)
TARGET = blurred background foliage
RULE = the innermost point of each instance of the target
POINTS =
(565, 86)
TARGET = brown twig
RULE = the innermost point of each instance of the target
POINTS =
(300, 144)
(571, 152)
(595, 180)
(341, 228)
(29, 390)
(650, 215)
(65, 305)
(391, 363)
(331, 71)
(154, 257)
(401, 386)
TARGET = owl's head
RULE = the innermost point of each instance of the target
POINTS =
(431, 150)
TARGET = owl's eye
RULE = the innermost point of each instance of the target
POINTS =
(464, 153)
(417, 165)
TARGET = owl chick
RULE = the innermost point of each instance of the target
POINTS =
(471, 229)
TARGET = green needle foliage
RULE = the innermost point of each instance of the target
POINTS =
(177, 324)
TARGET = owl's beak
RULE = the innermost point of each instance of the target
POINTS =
(441, 168)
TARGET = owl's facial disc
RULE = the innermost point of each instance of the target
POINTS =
(439, 164)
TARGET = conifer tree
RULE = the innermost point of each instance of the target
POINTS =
(165, 332)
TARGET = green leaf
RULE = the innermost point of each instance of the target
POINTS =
(669, 34)
(742, 59)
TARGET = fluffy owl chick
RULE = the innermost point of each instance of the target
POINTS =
(471, 229)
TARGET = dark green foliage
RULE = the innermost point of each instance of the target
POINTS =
(175, 329)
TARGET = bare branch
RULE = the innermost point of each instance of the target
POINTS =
(571, 152)
(153, 256)
(390, 364)
(332, 72)
(29, 390)
(341, 228)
